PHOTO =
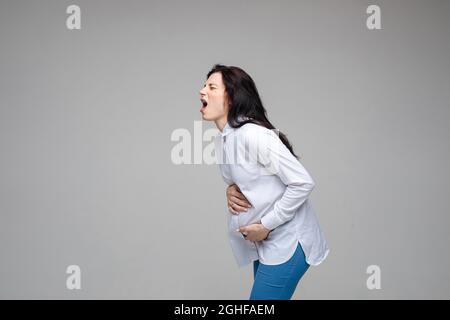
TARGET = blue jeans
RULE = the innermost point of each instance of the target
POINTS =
(278, 282)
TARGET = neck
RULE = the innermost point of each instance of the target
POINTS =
(220, 123)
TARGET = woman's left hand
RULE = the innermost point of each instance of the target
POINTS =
(254, 232)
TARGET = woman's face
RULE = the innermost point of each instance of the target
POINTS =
(214, 98)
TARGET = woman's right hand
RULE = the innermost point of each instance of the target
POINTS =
(237, 202)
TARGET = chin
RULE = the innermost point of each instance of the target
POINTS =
(206, 118)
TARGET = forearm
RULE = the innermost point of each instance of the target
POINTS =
(284, 209)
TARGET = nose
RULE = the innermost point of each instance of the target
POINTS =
(202, 92)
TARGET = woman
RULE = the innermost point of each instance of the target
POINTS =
(271, 220)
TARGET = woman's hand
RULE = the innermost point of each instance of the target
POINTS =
(254, 232)
(237, 202)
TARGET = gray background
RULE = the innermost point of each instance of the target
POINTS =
(86, 117)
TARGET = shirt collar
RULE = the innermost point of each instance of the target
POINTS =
(226, 130)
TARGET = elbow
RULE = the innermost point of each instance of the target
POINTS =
(307, 186)
(303, 187)
(312, 184)
(307, 183)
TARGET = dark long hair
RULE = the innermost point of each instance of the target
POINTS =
(244, 100)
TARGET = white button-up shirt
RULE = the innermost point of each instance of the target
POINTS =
(277, 185)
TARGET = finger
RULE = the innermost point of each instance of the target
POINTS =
(232, 210)
(240, 196)
(242, 203)
(237, 194)
(244, 200)
(242, 229)
(237, 207)
(235, 191)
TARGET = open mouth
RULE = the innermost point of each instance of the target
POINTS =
(204, 104)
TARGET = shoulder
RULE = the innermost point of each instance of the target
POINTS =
(257, 139)
(252, 129)
(254, 132)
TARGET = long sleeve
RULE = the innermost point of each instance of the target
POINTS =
(278, 187)
(272, 153)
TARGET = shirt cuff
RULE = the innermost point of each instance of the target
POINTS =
(271, 220)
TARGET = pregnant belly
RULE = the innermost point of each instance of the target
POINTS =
(251, 216)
